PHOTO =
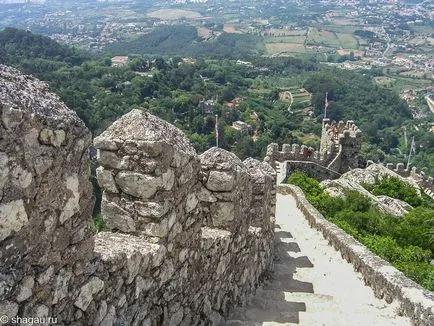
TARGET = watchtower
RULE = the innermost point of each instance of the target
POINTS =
(345, 140)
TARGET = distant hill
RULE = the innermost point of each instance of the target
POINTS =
(35, 53)
(183, 40)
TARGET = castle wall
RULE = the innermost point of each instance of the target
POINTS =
(295, 152)
(45, 198)
(183, 244)
(425, 182)
(340, 144)
(215, 245)
(311, 169)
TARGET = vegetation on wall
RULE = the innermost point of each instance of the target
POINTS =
(406, 242)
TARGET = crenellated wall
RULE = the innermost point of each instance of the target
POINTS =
(295, 152)
(340, 144)
(426, 183)
(188, 236)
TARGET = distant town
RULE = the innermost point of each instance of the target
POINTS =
(394, 36)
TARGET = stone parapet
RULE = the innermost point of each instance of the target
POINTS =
(45, 196)
(410, 172)
(164, 259)
(311, 169)
(296, 152)
(340, 144)
(228, 181)
(149, 176)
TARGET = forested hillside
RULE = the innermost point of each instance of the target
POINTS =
(36, 53)
(183, 40)
(246, 91)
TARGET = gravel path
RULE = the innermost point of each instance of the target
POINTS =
(312, 284)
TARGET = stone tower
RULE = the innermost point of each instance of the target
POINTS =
(343, 139)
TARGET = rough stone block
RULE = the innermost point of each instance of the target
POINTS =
(13, 217)
(220, 181)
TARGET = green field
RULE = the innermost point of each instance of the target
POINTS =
(174, 14)
(276, 48)
(322, 37)
(348, 41)
(298, 39)
(384, 81)
(402, 83)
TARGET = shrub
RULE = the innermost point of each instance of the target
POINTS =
(396, 188)
(406, 242)
(357, 202)
(415, 228)
(310, 186)
(384, 246)
(421, 273)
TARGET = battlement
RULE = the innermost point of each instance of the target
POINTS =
(187, 237)
(340, 144)
(425, 182)
(296, 152)
(343, 129)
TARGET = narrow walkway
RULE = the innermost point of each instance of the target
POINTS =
(312, 284)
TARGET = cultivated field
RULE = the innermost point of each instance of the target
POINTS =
(413, 74)
(231, 29)
(384, 81)
(204, 32)
(348, 52)
(174, 14)
(284, 32)
(274, 48)
(299, 39)
(348, 41)
(343, 21)
(316, 36)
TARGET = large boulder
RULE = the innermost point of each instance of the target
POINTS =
(338, 187)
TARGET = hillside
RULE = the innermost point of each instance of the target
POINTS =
(173, 89)
(36, 53)
(184, 40)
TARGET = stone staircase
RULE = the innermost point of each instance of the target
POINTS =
(311, 283)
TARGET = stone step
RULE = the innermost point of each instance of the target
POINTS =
(274, 311)
(235, 322)
(345, 318)
(279, 308)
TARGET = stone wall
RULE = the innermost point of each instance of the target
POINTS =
(385, 280)
(350, 141)
(340, 144)
(46, 200)
(426, 183)
(195, 210)
(295, 152)
(187, 237)
(311, 169)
